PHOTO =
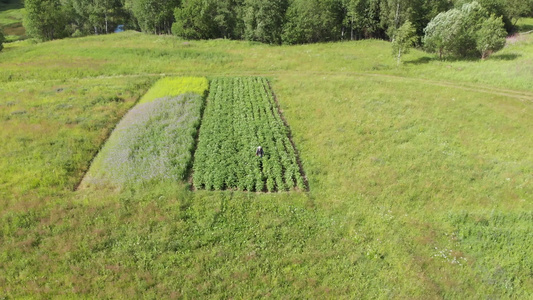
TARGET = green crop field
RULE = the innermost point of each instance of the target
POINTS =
(420, 177)
(241, 115)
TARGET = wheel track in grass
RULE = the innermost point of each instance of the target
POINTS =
(478, 88)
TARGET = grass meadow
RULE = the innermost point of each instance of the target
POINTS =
(420, 176)
(11, 15)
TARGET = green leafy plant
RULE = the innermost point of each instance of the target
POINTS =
(241, 115)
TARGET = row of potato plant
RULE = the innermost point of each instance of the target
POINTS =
(241, 115)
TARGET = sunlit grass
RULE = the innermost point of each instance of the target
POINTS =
(174, 86)
(152, 143)
(51, 130)
(420, 176)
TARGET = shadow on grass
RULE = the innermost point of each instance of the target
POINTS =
(11, 4)
(524, 28)
(421, 60)
(508, 57)
(428, 59)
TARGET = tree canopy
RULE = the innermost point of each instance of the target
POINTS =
(403, 39)
(465, 31)
(45, 19)
(264, 20)
(442, 26)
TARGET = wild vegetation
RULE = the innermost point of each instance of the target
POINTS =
(154, 142)
(11, 14)
(419, 175)
(268, 21)
(240, 116)
(464, 31)
(51, 131)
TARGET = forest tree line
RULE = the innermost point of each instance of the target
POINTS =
(267, 21)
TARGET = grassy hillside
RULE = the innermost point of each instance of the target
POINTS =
(420, 177)
(11, 15)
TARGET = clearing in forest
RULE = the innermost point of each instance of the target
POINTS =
(241, 114)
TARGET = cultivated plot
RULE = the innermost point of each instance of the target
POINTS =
(240, 116)
(153, 142)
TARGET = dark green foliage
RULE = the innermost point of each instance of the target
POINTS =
(465, 32)
(394, 13)
(206, 19)
(95, 16)
(499, 9)
(313, 21)
(270, 21)
(45, 19)
(422, 11)
(263, 20)
(194, 20)
(490, 36)
(362, 19)
(516, 9)
(154, 16)
(241, 115)
(2, 40)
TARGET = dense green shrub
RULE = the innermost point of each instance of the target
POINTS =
(464, 32)
(45, 19)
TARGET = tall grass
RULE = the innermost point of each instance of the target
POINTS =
(420, 177)
(174, 86)
(153, 142)
(51, 130)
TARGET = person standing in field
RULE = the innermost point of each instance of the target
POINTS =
(259, 152)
